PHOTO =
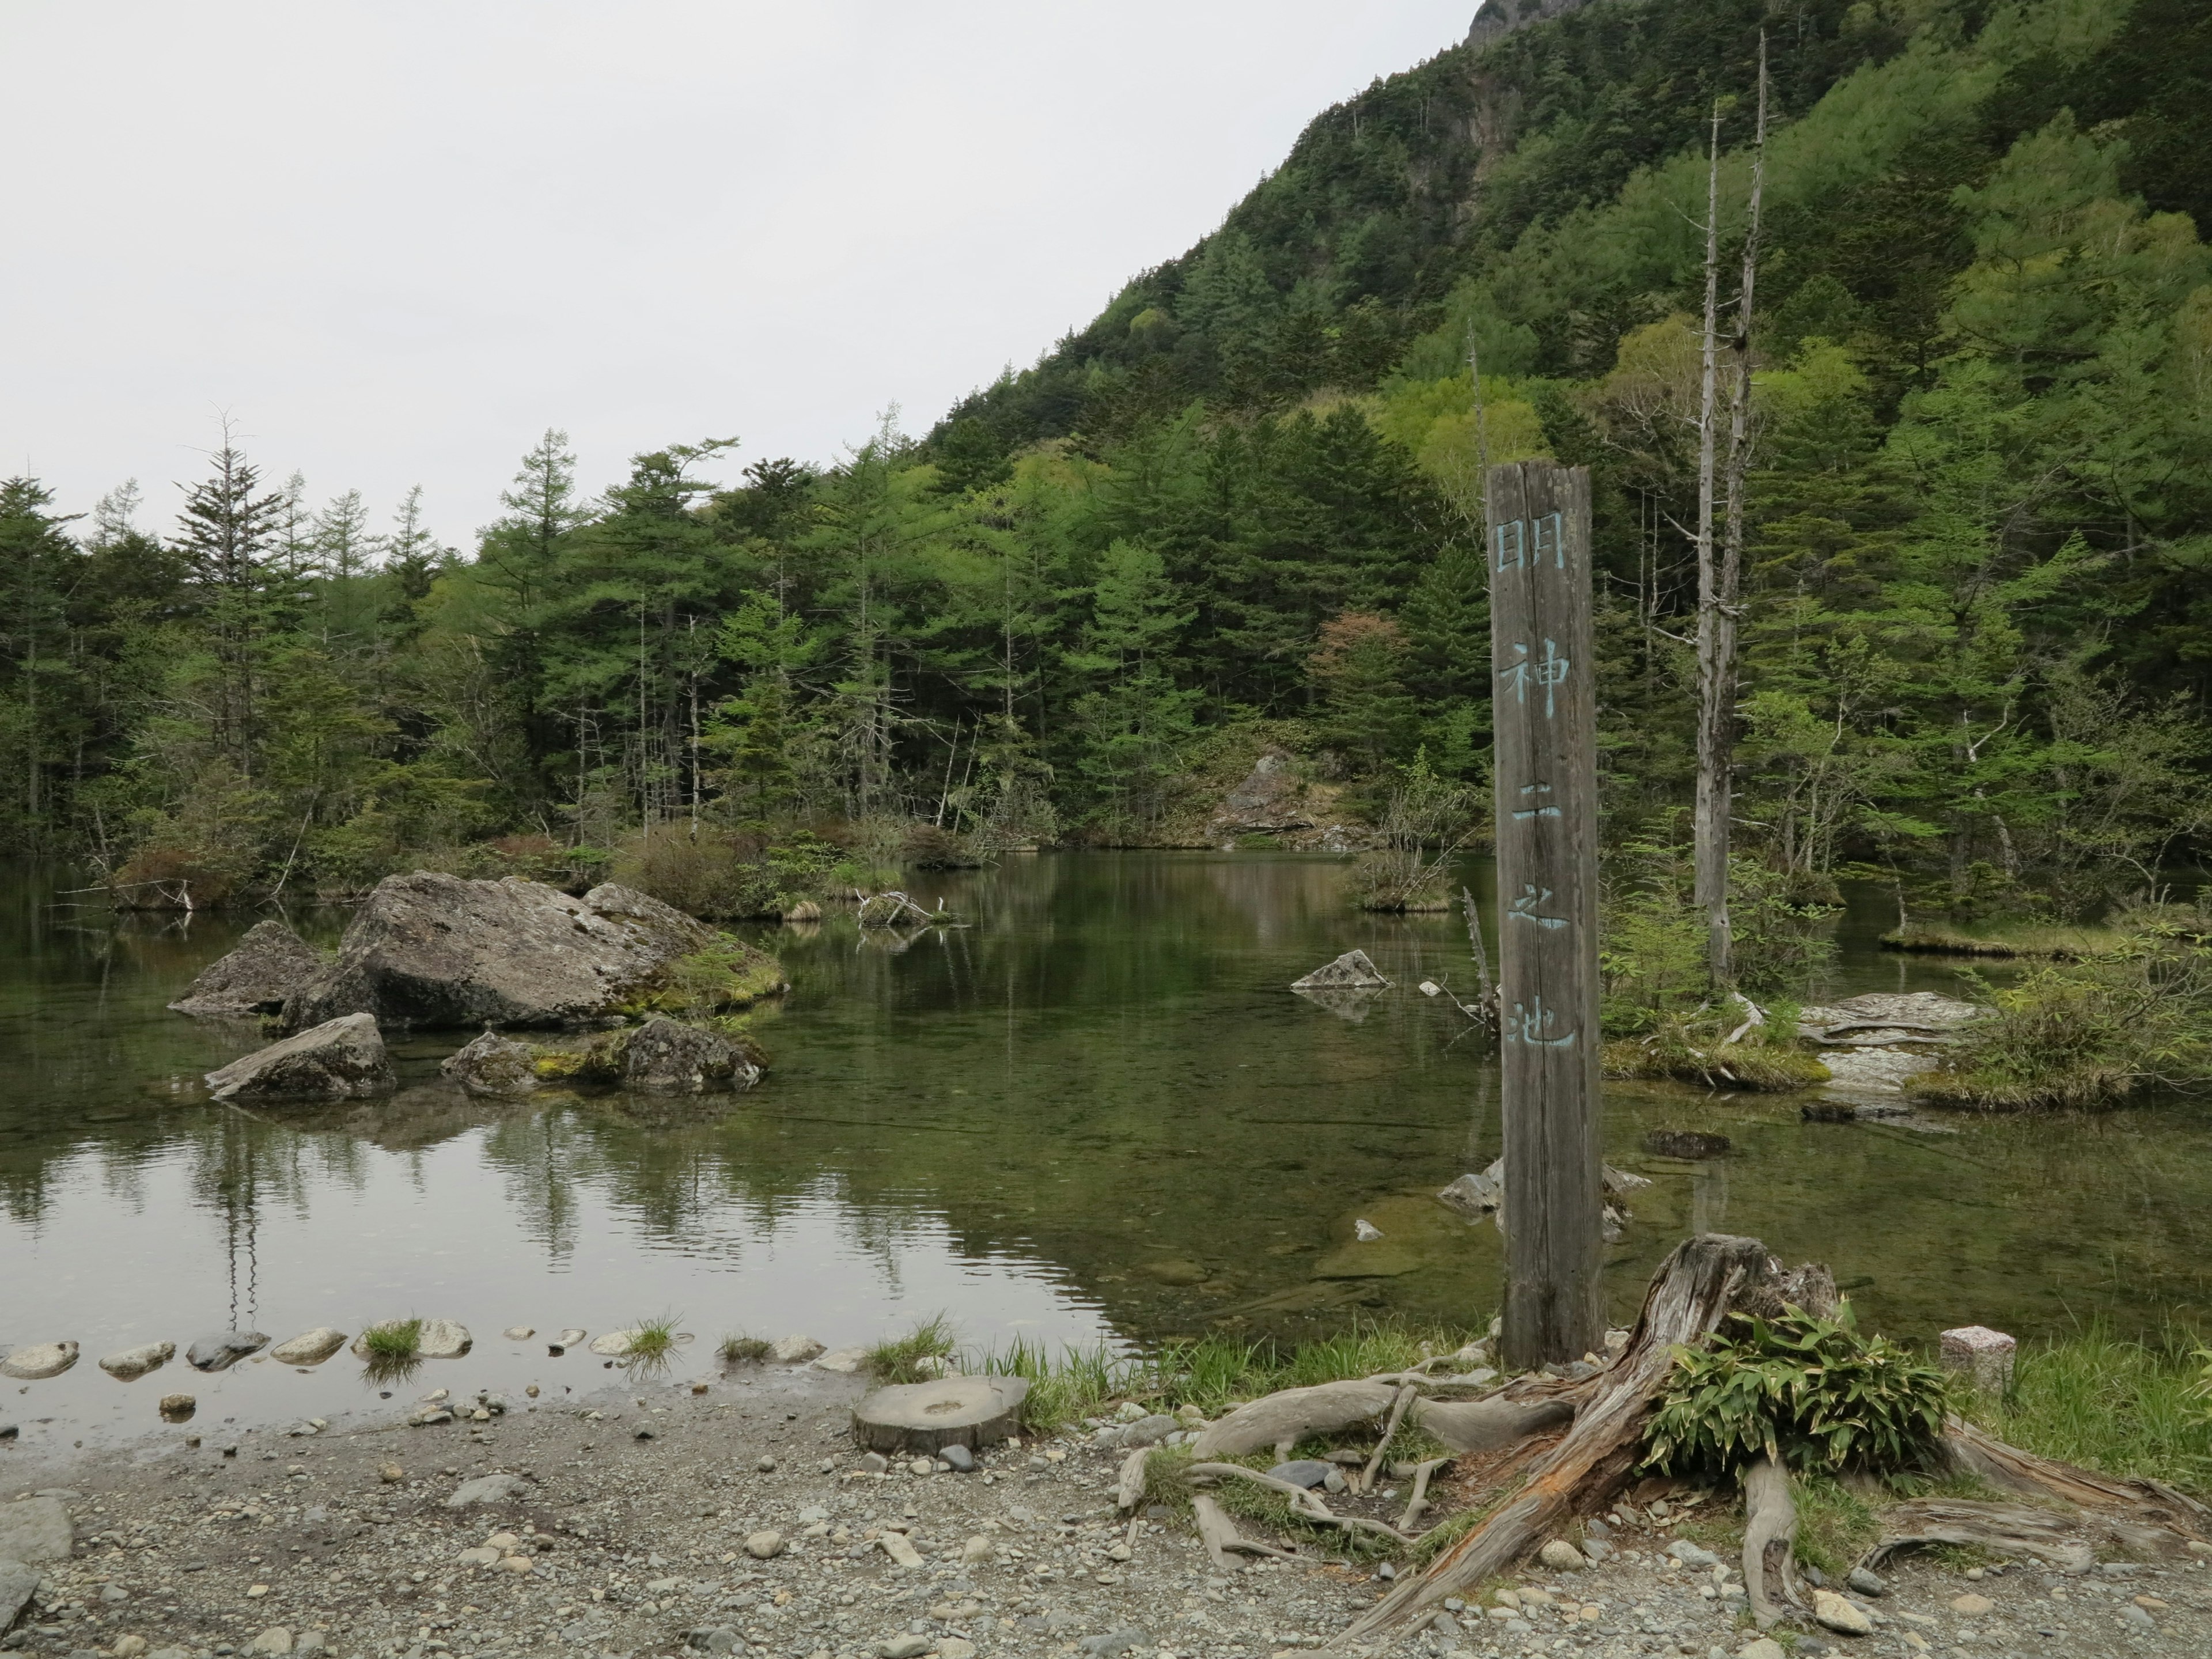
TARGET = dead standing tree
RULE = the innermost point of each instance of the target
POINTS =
(1720, 578)
(1545, 704)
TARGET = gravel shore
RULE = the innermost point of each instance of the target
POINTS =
(638, 1522)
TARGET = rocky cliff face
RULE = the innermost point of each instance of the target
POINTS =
(1498, 17)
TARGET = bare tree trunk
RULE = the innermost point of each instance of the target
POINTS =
(1710, 826)
(1718, 690)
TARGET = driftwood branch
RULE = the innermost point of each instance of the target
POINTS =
(1479, 1425)
(1405, 1397)
(1294, 1413)
(1223, 1543)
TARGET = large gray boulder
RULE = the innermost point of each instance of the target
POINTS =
(431, 950)
(338, 1059)
(268, 965)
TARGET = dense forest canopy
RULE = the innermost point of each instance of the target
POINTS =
(1234, 511)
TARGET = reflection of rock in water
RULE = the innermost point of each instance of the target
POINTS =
(1345, 1004)
(1709, 1197)
(422, 1115)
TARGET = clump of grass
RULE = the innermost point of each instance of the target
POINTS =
(2123, 1407)
(395, 1339)
(1835, 1526)
(738, 1349)
(1066, 1385)
(652, 1341)
(900, 1359)
(1212, 1373)
(1690, 1049)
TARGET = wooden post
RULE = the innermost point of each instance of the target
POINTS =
(1544, 702)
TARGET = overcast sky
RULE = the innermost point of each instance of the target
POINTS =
(396, 240)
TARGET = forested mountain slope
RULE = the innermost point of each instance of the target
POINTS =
(1234, 512)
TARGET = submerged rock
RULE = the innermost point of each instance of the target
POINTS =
(1351, 971)
(662, 1056)
(223, 1349)
(432, 950)
(1694, 1145)
(266, 966)
(341, 1058)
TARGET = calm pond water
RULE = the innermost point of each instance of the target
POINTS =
(1096, 1113)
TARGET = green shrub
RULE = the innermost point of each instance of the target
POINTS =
(1807, 1392)
(2087, 1033)
(1651, 938)
(738, 1349)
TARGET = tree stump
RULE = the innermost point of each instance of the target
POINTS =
(952, 1411)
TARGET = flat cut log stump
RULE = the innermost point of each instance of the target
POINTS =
(973, 1411)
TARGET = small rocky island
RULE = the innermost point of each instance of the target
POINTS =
(638, 986)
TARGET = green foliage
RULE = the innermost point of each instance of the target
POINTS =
(2090, 1032)
(2128, 1408)
(1242, 506)
(727, 973)
(1651, 949)
(1809, 1392)
(397, 1339)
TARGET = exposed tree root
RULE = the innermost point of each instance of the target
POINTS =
(1693, 1288)
(1406, 1395)
(1295, 1413)
(1129, 1490)
(1307, 1505)
(1223, 1543)
(1419, 1500)
(2123, 1506)
(1480, 1425)
(1770, 1531)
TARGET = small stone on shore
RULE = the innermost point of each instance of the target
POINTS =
(134, 1362)
(34, 1362)
(309, 1347)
